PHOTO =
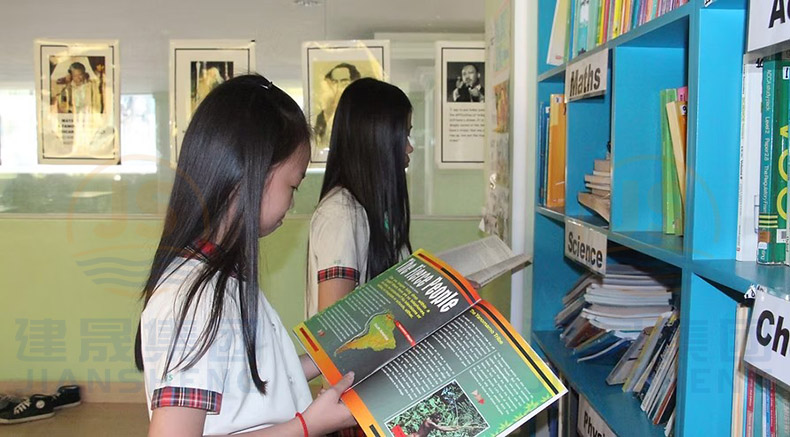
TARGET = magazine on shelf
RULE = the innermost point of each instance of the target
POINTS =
(424, 346)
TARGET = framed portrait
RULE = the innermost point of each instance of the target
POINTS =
(197, 67)
(460, 104)
(328, 67)
(77, 101)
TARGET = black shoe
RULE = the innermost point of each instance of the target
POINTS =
(66, 396)
(33, 408)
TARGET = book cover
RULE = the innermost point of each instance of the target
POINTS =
(557, 41)
(555, 186)
(668, 171)
(543, 144)
(424, 346)
(749, 163)
(772, 235)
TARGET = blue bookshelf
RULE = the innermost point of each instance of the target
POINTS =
(702, 48)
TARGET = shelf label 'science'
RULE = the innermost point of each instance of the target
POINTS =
(769, 23)
(589, 423)
(768, 344)
(585, 245)
(588, 77)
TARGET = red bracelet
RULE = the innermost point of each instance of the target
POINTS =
(304, 424)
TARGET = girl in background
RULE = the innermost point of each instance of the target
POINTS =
(216, 357)
(361, 225)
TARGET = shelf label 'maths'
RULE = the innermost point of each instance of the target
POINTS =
(769, 23)
(589, 423)
(769, 336)
(588, 77)
(585, 245)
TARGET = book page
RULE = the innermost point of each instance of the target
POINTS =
(385, 317)
(483, 260)
(474, 374)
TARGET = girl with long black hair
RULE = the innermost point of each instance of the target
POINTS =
(361, 225)
(215, 355)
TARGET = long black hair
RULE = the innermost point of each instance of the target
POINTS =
(367, 157)
(238, 133)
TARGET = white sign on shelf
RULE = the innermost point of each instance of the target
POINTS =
(769, 336)
(587, 77)
(769, 23)
(590, 423)
(585, 245)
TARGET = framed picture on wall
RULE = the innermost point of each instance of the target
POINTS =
(460, 104)
(197, 67)
(328, 67)
(77, 101)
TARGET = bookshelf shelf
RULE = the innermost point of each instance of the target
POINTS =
(667, 248)
(739, 275)
(700, 47)
(556, 74)
(620, 410)
(550, 213)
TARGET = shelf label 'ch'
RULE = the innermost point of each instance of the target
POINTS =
(587, 77)
(585, 245)
(768, 343)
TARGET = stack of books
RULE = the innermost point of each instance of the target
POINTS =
(627, 318)
(603, 315)
(599, 183)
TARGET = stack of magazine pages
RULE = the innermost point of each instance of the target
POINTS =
(428, 353)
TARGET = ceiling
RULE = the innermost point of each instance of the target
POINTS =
(144, 28)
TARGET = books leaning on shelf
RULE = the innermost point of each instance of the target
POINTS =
(421, 342)
(626, 318)
(749, 168)
(581, 25)
(673, 156)
(599, 183)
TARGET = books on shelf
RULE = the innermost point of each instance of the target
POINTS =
(673, 151)
(750, 157)
(772, 220)
(627, 318)
(555, 171)
(421, 341)
(599, 183)
(581, 25)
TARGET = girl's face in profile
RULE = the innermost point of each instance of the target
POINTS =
(278, 193)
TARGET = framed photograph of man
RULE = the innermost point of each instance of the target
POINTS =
(197, 67)
(460, 104)
(77, 101)
(328, 67)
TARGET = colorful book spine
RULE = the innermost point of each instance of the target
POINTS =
(543, 144)
(772, 222)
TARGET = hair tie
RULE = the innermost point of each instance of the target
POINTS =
(304, 424)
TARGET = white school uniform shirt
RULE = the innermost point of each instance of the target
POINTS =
(220, 381)
(338, 244)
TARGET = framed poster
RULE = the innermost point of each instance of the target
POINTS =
(197, 67)
(77, 101)
(328, 67)
(460, 104)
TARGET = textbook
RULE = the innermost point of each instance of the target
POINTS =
(428, 353)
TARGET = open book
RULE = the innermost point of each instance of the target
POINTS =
(484, 260)
(428, 353)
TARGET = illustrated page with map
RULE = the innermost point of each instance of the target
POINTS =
(428, 355)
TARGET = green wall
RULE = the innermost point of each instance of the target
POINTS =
(70, 289)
